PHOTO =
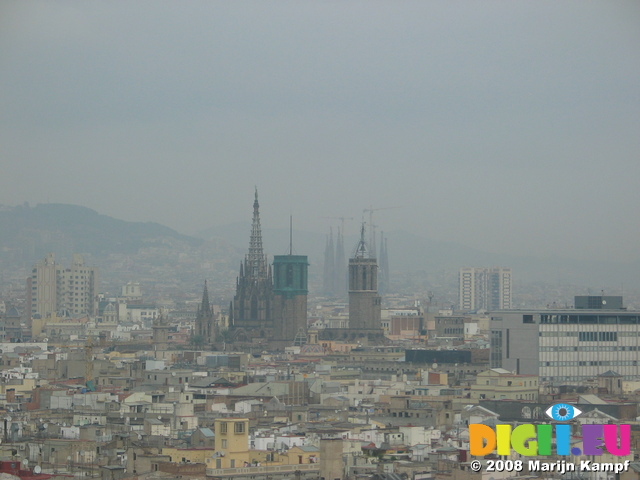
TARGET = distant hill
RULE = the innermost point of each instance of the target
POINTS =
(28, 233)
(157, 255)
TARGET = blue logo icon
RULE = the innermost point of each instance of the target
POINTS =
(562, 412)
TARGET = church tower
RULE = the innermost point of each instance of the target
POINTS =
(290, 296)
(364, 301)
(205, 319)
(161, 332)
(252, 312)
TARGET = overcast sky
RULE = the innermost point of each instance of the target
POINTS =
(507, 126)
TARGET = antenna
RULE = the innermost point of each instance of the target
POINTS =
(290, 234)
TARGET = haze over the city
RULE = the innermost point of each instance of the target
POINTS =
(508, 127)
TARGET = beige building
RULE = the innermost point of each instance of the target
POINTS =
(53, 288)
(231, 443)
(501, 384)
(188, 455)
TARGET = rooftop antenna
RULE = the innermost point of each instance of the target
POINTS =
(290, 234)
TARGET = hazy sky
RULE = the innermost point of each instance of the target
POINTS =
(507, 126)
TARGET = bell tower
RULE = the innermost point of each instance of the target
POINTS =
(364, 301)
(290, 295)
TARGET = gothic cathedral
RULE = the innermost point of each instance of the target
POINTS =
(251, 313)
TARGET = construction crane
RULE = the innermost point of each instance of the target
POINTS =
(342, 219)
(372, 227)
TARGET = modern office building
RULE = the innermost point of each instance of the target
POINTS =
(55, 289)
(484, 288)
(567, 346)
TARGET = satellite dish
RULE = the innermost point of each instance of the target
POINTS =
(25, 463)
(37, 469)
(159, 417)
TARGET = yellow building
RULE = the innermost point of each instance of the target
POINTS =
(231, 443)
(188, 455)
(500, 384)
(304, 455)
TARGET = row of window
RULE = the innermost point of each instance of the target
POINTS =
(577, 334)
(598, 336)
(560, 379)
(454, 331)
(594, 348)
(590, 319)
(591, 363)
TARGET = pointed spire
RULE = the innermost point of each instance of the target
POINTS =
(340, 266)
(327, 281)
(256, 261)
(205, 306)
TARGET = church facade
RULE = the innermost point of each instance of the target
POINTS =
(251, 312)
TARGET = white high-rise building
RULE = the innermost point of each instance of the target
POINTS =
(568, 346)
(54, 289)
(484, 288)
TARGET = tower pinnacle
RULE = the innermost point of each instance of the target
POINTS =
(362, 250)
(255, 260)
(205, 306)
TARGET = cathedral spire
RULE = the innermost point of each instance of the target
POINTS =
(256, 262)
(205, 307)
(340, 266)
(329, 259)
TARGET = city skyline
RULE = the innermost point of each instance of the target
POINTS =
(510, 129)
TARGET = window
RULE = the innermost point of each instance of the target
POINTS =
(238, 427)
(224, 443)
(223, 427)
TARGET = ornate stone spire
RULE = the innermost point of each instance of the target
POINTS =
(205, 306)
(340, 266)
(255, 260)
